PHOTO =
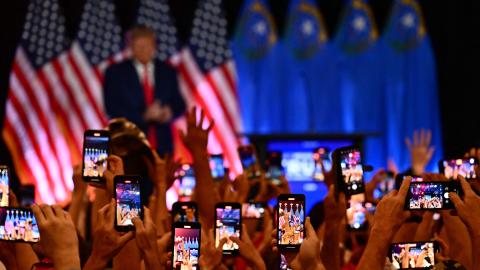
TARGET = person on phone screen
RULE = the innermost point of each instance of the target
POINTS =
(144, 90)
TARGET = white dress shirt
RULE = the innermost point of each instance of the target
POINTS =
(140, 68)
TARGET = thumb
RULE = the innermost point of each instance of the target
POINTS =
(222, 242)
(126, 237)
(456, 200)
(309, 228)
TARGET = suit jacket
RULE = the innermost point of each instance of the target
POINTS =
(124, 97)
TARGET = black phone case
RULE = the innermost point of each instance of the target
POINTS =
(234, 206)
(193, 225)
(104, 133)
(119, 179)
(340, 185)
(283, 197)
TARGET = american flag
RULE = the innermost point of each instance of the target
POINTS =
(208, 76)
(55, 92)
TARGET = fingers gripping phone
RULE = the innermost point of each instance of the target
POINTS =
(96, 147)
(186, 240)
(290, 221)
(228, 222)
(128, 201)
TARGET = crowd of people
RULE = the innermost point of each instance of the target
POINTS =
(82, 235)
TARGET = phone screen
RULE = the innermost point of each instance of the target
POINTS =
(253, 210)
(186, 247)
(430, 195)
(321, 156)
(248, 160)
(187, 182)
(129, 205)
(4, 186)
(18, 224)
(357, 213)
(228, 223)
(291, 220)
(384, 187)
(274, 169)
(420, 255)
(217, 167)
(184, 212)
(454, 167)
(95, 154)
(351, 170)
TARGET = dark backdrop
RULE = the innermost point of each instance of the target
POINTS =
(453, 27)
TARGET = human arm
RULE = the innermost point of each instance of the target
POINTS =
(389, 216)
(196, 140)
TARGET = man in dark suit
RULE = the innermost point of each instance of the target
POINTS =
(145, 90)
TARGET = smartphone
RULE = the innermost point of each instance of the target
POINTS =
(186, 239)
(217, 166)
(184, 212)
(349, 170)
(465, 167)
(400, 177)
(290, 221)
(26, 195)
(18, 225)
(413, 255)
(273, 167)
(186, 176)
(249, 160)
(357, 213)
(228, 222)
(430, 195)
(385, 186)
(321, 158)
(253, 210)
(96, 144)
(128, 201)
(4, 185)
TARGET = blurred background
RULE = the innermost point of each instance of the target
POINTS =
(307, 73)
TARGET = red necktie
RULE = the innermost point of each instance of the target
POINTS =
(148, 92)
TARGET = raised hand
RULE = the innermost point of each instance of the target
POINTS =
(114, 168)
(107, 242)
(377, 178)
(420, 150)
(389, 216)
(248, 251)
(146, 239)
(196, 138)
(211, 257)
(308, 256)
(58, 237)
(469, 208)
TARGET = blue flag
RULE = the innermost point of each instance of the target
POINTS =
(411, 90)
(312, 101)
(255, 52)
(361, 78)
